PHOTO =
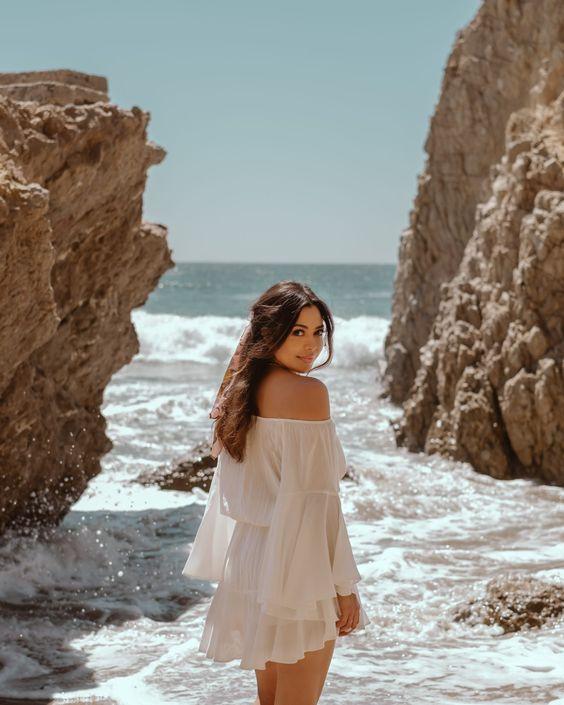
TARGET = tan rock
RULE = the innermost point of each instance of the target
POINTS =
(52, 92)
(487, 345)
(492, 370)
(75, 259)
(509, 56)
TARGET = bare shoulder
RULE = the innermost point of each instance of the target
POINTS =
(315, 397)
(283, 394)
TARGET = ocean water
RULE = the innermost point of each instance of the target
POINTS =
(98, 611)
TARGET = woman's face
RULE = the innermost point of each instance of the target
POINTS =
(304, 342)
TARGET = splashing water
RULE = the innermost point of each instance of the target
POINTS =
(98, 608)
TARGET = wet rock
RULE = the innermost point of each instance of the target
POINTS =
(75, 258)
(515, 603)
(195, 470)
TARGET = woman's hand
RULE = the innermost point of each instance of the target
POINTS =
(350, 614)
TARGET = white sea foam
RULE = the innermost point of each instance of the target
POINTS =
(100, 609)
(169, 338)
(211, 340)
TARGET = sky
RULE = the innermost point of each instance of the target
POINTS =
(294, 130)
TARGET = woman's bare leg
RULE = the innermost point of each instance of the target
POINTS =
(301, 683)
(266, 684)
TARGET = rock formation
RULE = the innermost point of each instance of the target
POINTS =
(75, 259)
(196, 469)
(515, 602)
(475, 347)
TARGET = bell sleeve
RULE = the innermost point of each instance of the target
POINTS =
(207, 556)
(308, 558)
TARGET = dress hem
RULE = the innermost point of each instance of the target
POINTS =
(249, 667)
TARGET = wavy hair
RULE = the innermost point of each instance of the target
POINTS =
(272, 317)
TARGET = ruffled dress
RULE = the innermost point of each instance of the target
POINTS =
(274, 538)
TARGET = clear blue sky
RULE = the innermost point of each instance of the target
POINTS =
(294, 129)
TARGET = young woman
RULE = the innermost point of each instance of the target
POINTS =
(273, 534)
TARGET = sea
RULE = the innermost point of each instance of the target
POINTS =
(97, 610)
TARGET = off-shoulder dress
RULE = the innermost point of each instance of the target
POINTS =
(274, 537)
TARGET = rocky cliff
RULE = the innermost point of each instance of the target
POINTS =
(75, 259)
(475, 347)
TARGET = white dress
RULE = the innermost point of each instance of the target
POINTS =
(274, 537)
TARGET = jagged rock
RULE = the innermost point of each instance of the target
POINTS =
(510, 56)
(75, 259)
(514, 603)
(489, 380)
(195, 470)
(490, 386)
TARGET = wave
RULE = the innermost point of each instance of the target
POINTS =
(211, 340)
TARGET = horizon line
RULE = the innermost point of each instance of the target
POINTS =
(192, 261)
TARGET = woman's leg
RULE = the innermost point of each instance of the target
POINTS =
(301, 683)
(266, 684)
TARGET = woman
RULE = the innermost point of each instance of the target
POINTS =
(273, 534)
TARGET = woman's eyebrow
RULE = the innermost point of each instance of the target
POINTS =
(304, 326)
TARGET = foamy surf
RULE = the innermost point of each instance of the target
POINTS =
(98, 609)
(210, 340)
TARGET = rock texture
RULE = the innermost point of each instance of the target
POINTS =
(515, 603)
(75, 259)
(194, 470)
(475, 348)
(54, 87)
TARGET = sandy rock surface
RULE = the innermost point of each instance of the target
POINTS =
(75, 259)
(475, 348)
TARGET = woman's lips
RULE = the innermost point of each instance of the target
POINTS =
(306, 359)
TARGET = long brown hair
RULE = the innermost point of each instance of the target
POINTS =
(272, 317)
